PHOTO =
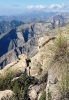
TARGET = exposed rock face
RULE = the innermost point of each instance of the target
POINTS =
(17, 37)
(52, 86)
(30, 48)
(9, 39)
(36, 60)
(17, 65)
(23, 39)
(33, 90)
(57, 20)
(42, 60)
(6, 95)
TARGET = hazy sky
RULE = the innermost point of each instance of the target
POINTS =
(17, 6)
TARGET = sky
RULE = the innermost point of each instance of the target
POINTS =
(18, 6)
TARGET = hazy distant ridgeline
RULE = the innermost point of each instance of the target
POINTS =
(30, 16)
(9, 22)
(5, 26)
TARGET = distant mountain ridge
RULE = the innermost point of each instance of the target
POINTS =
(32, 16)
(5, 26)
(29, 16)
(57, 20)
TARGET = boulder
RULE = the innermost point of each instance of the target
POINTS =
(6, 95)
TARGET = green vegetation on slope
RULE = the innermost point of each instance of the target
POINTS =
(61, 52)
(18, 86)
(61, 55)
(5, 81)
(43, 96)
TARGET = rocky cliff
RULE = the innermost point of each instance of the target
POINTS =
(23, 39)
(48, 70)
(57, 20)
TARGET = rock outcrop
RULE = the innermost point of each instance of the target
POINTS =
(6, 95)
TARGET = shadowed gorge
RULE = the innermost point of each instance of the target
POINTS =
(4, 42)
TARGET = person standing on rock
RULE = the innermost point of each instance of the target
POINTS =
(27, 63)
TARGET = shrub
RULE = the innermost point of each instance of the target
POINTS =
(49, 95)
(20, 87)
(5, 81)
(43, 96)
(64, 85)
(60, 50)
(61, 56)
(16, 88)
